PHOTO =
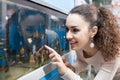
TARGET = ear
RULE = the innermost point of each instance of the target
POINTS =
(93, 31)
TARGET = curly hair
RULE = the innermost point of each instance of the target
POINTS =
(107, 38)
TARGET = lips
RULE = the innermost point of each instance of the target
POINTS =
(73, 43)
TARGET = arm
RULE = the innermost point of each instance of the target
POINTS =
(106, 72)
(70, 75)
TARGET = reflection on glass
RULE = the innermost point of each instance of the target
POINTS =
(27, 31)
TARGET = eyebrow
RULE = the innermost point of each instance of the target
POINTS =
(73, 26)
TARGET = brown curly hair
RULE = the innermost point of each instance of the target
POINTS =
(107, 38)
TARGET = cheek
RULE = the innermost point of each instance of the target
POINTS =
(83, 38)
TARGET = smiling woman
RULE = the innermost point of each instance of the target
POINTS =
(86, 26)
(75, 30)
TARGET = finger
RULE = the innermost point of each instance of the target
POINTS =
(55, 63)
(49, 49)
(64, 59)
(56, 59)
(51, 55)
(68, 64)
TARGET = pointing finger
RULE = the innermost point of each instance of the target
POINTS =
(49, 49)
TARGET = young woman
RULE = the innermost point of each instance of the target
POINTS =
(94, 34)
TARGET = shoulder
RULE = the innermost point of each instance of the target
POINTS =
(112, 65)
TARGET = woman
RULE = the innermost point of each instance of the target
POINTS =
(94, 35)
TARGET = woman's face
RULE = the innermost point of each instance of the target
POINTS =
(78, 32)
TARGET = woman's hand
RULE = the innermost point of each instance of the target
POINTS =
(68, 64)
(57, 60)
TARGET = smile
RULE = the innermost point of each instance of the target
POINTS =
(73, 43)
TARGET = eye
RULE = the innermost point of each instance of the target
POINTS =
(75, 30)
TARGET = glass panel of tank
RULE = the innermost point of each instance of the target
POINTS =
(23, 33)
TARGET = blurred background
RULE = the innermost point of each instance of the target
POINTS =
(27, 25)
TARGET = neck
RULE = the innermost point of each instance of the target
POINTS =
(90, 52)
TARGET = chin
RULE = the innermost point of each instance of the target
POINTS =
(74, 48)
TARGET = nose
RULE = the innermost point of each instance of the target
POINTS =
(36, 34)
(69, 35)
